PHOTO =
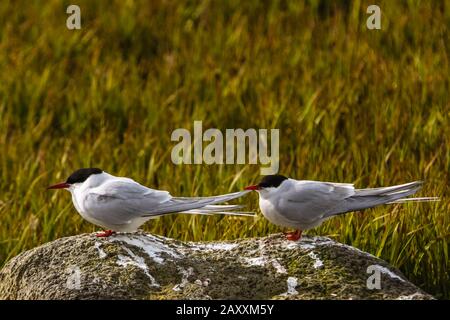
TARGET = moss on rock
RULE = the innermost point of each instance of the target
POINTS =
(143, 266)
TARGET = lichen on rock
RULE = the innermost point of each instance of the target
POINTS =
(144, 266)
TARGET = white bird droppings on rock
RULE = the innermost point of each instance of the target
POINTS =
(278, 267)
(307, 243)
(258, 261)
(153, 248)
(317, 262)
(185, 274)
(137, 261)
(264, 262)
(215, 246)
(413, 296)
(388, 272)
(198, 282)
(307, 246)
(291, 285)
(101, 253)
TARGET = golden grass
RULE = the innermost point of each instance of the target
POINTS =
(353, 105)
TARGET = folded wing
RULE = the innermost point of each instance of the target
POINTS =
(123, 199)
(319, 200)
(309, 201)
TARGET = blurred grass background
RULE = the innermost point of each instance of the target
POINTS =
(352, 105)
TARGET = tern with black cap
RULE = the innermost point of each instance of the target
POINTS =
(305, 204)
(121, 204)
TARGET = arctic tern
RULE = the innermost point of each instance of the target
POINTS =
(121, 204)
(305, 204)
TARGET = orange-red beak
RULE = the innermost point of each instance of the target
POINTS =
(62, 185)
(254, 187)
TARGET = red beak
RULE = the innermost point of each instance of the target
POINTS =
(62, 185)
(254, 187)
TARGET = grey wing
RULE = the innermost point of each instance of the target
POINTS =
(206, 204)
(372, 197)
(308, 201)
(320, 200)
(124, 199)
(119, 201)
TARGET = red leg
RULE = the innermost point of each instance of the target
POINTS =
(294, 236)
(104, 234)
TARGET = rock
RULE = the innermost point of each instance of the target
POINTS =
(144, 266)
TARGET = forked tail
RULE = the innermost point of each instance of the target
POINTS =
(372, 197)
(202, 205)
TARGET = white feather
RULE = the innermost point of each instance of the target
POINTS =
(121, 204)
(304, 204)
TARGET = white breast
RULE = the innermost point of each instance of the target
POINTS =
(280, 211)
(78, 199)
(271, 212)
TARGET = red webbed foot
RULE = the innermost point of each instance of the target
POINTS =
(294, 236)
(104, 234)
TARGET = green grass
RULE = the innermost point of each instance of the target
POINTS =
(352, 105)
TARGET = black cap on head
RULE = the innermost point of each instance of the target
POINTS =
(82, 174)
(272, 181)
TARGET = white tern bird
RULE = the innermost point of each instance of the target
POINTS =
(121, 204)
(304, 204)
